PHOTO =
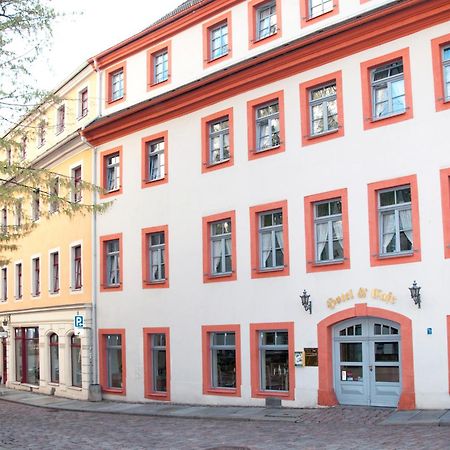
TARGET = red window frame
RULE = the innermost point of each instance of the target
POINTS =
(109, 73)
(103, 269)
(102, 333)
(23, 344)
(208, 27)
(104, 172)
(445, 199)
(149, 390)
(146, 263)
(253, 7)
(151, 54)
(145, 142)
(436, 50)
(306, 20)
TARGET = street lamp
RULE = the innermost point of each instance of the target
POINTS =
(306, 302)
(415, 293)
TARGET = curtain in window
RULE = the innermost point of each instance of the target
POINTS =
(156, 261)
(338, 232)
(322, 237)
(406, 223)
(217, 256)
(388, 230)
(266, 249)
(114, 270)
(111, 181)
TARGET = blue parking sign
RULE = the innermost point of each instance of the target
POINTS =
(78, 321)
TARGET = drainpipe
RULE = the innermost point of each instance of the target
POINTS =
(100, 87)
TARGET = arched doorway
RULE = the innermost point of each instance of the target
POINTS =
(366, 362)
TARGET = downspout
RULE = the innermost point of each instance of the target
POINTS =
(100, 87)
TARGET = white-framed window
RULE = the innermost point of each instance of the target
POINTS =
(23, 148)
(83, 103)
(41, 134)
(18, 214)
(157, 256)
(53, 341)
(318, 7)
(266, 20)
(219, 140)
(60, 119)
(156, 160)
(35, 277)
(77, 279)
(323, 109)
(274, 360)
(117, 87)
(218, 41)
(19, 281)
(223, 359)
(112, 169)
(161, 66)
(267, 126)
(4, 280)
(271, 246)
(4, 220)
(395, 220)
(328, 231)
(446, 70)
(54, 195)
(388, 90)
(112, 256)
(221, 254)
(54, 272)
(35, 205)
(76, 188)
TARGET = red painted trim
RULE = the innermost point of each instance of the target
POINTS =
(149, 391)
(206, 360)
(326, 394)
(103, 241)
(306, 20)
(206, 228)
(253, 7)
(254, 240)
(309, 201)
(374, 233)
(445, 198)
(255, 328)
(252, 106)
(145, 232)
(103, 172)
(366, 67)
(207, 27)
(145, 182)
(206, 167)
(108, 77)
(305, 88)
(373, 28)
(448, 350)
(151, 53)
(102, 332)
(436, 50)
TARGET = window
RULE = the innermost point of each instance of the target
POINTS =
(154, 159)
(386, 84)
(76, 268)
(18, 214)
(440, 48)
(54, 272)
(266, 125)
(23, 148)
(112, 361)
(54, 195)
(313, 11)
(35, 277)
(326, 228)
(110, 269)
(111, 172)
(264, 20)
(394, 221)
(54, 358)
(219, 247)
(217, 40)
(272, 372)
(155, 267)
(4, 292)
(36, 205)
(77, 190)
(19, 281)
(83, 103)
(159, 65)
(27, 355)
(323, 109)
(318, 7)
(41, 132)
(221, 360)
(157, 363)
(8, 156)
(75, 359)
(4, 217)
(60, 118)
(115, 84)
(445, 198)
(269, 240)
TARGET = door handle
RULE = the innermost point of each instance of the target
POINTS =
(371, 368)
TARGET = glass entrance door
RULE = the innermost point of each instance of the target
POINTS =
(367, 362)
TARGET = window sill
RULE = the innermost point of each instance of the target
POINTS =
(218, 163)
(160, 396)
(82, 116)
(59, 132)
(52, 383)
(325, 133)
(75, 388)
(155, 182)
(159, 83)
(321, 15)
(218, 58)
(120, 391)
(156, 282)
(388, 116)
(270, 270)
(327, 263)
(286, 395)
(226, 392)
(396, 255)
(264, 150)
(262, 39)
(112, 101)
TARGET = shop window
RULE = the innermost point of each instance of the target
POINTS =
(394, 221)
(54, 358)
(154, 159)
(157, 363)
(440, 48)
(272, 371)
(221, 360)
(75, 358)
(112, 361)
(111, 172)
(155, 266)
(27, 355)
(111, 262)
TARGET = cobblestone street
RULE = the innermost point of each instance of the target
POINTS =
(24, 427)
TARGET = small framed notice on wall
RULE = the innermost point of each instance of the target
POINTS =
(311, 357)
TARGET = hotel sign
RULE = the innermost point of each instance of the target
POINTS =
(362, 293)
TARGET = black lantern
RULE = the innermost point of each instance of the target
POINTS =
(306, 302)
(415, 293)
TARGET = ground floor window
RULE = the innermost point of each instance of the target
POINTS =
(54, 358)
(112, 360)
(75, 358)
(27, 355)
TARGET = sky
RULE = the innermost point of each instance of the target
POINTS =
(89, 27)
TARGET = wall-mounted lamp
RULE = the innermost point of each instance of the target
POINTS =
(6, 320)
(415, 293)
(306, 302)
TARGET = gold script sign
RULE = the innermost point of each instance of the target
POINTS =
(374, 293)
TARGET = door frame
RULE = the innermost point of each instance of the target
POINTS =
(326, 392)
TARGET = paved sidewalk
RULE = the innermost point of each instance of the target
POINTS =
(339, 414)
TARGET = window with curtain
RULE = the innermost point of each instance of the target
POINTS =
(266, 20)
(328, 233)
(267, 126)
(221, 257)
(112, 251)
(156, 160)
(219, 140)
(323, 109)
(112, 166)
(446, 70)
(157, 257)
(271, 246)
